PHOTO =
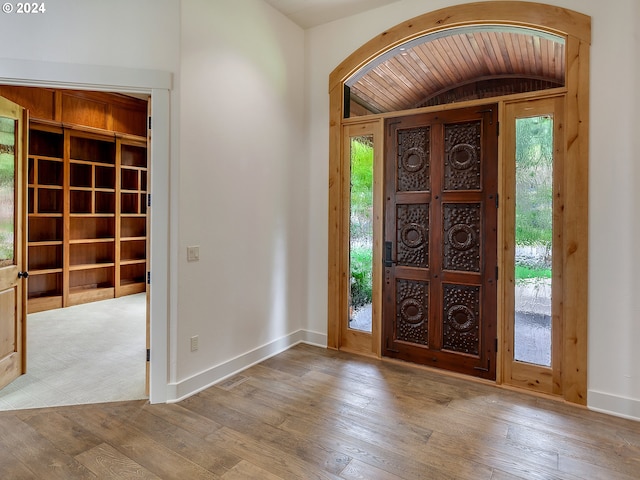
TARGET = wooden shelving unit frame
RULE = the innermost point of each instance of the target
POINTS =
(131, 226)
(46, 217)
(87, 215)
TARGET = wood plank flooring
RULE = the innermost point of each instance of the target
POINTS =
(311, 413)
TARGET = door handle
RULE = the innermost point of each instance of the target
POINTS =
(388, 247)
(23, 274)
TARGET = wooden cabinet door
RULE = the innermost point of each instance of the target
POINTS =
(13, 121)
(441, 240)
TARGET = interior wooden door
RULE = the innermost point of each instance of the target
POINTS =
(13, 262)
(441, 240)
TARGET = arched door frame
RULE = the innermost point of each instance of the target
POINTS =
(576, 29)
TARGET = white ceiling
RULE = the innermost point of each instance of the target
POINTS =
(310, 13)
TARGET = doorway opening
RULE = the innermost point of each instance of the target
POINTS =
(87, 241)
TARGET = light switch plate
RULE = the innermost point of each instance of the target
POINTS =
(193, 253)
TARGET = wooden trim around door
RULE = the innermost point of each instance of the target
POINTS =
(576, 28)
(356, 341)
(542, 379)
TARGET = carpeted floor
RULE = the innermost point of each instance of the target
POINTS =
(89, 353)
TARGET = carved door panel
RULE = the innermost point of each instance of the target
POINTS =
(441, 240)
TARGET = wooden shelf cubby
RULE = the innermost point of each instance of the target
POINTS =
(49, 171)
(133, 249)
(92, 148)
(133, 226)
(49, 200)
(92, 253)
(45, 291)
(46, 142)
(91, 227)
(45, 256)
(45, 228)
(90, 284)
(132, 277)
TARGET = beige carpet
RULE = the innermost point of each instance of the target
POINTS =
(90, 353)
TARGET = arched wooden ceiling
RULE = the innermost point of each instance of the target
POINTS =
(459, 64)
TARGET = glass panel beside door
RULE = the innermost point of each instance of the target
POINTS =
(533, 218)
(361, 233)
(533, 240)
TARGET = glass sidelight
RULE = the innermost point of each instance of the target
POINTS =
(533, 239)
(361, 233)
(533, 214)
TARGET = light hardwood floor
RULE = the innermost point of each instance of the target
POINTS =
(311, 413)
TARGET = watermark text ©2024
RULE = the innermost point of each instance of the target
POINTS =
(28, 8)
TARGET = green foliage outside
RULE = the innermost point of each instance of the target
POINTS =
(6, 206)
(6, 170)
(534, 195)
(526, 273)
(361, 221)
(361, 276)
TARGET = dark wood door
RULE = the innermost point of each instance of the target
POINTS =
(441, 205)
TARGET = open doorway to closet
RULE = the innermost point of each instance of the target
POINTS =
(87, 247)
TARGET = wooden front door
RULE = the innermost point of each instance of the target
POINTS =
(441, 204)
(13, 121)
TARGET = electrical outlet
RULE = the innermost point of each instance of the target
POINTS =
(193, 253)
(194, 343)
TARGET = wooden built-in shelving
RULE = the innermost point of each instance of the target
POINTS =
(87, 215)
(87, 195)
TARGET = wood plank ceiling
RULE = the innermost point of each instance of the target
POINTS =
(459, 64)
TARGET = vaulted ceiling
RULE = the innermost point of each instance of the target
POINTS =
(459, 64)
(453, 65)
(311, 13)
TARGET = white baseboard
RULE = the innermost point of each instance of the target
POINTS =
(614, 405)
(192, 385)
(314, 338)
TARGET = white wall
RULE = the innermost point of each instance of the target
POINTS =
(614, 356)
(142, 34)
(243, 186)
(614, 331)
(634, 335)
(239, 175)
